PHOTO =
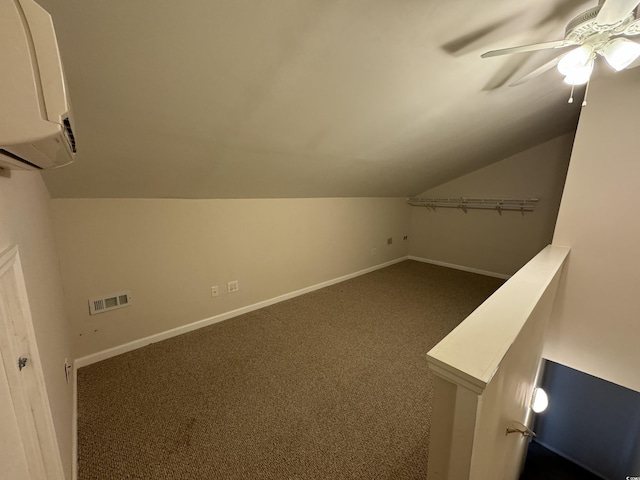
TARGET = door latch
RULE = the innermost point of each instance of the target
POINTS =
(517, 427)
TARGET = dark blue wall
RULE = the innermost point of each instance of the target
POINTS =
(591, 421)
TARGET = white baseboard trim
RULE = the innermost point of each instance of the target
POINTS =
(142, 342)
(460, 267)
(566, 457)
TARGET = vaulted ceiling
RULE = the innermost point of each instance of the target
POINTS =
(301, 98)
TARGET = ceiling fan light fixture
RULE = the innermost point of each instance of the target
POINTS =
(576, 60)
(599, 31)
(620, 53)
(579, 76)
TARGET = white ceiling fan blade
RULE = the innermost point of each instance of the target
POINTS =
(538, 71)
(615, 11)
(528, 48)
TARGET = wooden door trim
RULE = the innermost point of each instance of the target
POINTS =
(27, 387)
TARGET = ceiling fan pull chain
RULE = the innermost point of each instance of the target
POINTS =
(586, 91)
(571, 96)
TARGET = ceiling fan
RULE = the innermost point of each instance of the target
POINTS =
(599, 31)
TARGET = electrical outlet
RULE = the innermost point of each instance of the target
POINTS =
(389, 240)
(233, 286)
(406, 237)
(214, 291)
(374, 251)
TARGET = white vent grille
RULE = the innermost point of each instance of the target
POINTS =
(109, 302)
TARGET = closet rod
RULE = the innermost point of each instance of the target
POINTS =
(464, 203)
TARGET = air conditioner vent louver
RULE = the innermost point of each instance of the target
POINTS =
(109, 302)
(69, 134)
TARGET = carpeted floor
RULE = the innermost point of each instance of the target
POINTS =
(330, 385)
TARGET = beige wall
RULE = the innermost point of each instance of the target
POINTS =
(484, 239)
(170, 252)
(25, 220)
(595, 327)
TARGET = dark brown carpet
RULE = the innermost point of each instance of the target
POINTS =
(330, 385)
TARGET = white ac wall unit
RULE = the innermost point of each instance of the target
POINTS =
(35, 124)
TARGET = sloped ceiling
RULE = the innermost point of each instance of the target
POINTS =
(301, 98)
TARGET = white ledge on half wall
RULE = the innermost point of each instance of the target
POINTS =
(471, 354)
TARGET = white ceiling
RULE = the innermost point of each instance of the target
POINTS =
(301, 98)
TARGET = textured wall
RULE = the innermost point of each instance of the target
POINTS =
(483, 239)
(25, 220)
(170, 252)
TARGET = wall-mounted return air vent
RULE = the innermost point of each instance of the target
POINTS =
(109, 302)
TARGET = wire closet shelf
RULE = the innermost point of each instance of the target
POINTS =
(467, 203)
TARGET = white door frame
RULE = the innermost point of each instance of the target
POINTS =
(27, 385)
